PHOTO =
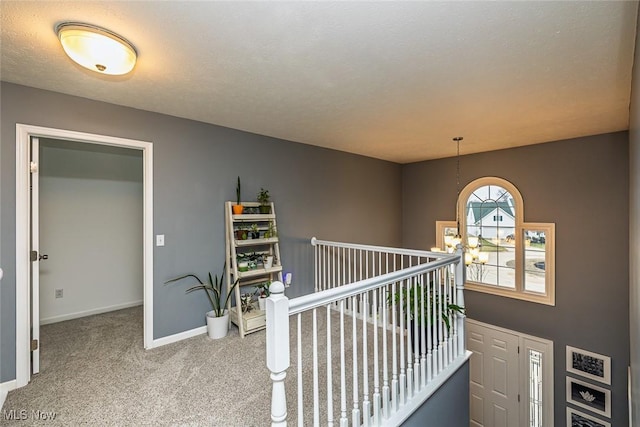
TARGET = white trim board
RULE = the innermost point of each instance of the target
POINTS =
(178, 337)
(5, 388)
(23, 136)
(100, 310)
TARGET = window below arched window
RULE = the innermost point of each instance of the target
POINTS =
(504, 254)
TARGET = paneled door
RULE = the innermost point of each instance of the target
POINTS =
(493, 371)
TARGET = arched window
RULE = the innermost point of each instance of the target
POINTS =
(504, 254)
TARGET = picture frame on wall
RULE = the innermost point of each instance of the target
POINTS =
(576, 418)
(588, 364)
(588, 396)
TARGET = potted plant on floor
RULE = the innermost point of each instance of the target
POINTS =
(264, 199)
(237, 208)
(218, 317)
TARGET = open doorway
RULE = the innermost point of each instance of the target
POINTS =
(90, 229)
(29, 260)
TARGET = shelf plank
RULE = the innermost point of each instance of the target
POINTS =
(259, 272)
(253, 217)
(256, 242)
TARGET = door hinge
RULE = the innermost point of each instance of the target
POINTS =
(518, 398)
(33, 167)
(33, 256)
(34, 345)
(518, 349)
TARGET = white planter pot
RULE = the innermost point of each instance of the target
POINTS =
(217, 327)
(262, 303)
(268, 262)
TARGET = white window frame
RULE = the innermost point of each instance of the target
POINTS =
(549, 296)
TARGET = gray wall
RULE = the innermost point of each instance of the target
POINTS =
(582, 185)
(449, 406)
(634, 231)
(318, 192)
(91, 228)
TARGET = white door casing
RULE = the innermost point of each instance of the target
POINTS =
(500, 377)
(35, 247)
(24, 135)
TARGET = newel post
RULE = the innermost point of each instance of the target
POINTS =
(278, 350)
(459, 278)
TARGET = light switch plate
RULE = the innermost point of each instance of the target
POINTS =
(160, 240)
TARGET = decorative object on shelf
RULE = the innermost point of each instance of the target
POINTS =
(589, 396)
(245, 301)
(264, 199)
(238, 208)
(255, 233)
(263, 293)
(267, 261)
(576, 418)
(218, 317)
(589, 365)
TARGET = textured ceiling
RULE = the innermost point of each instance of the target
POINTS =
(391, 80)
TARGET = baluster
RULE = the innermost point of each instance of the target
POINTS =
(344, 421)
(431, 317)
(423, 339)
(316, 393)
(376, 370)
(355, 413)
(300, 382)
(277, 345)
(394, 351)
(409, 342)
(385, 357)
(366, 405)
(403, 375)
(416, 336)
(329, 371)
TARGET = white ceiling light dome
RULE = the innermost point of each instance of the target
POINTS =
(97, 48)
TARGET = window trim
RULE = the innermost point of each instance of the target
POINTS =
(549, 297)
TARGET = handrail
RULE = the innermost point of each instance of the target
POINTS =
(398, 251)
(322, 298)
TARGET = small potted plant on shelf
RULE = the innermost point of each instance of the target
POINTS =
(218, 317)
(270, 232)
(242, 232)
(264, 199)
(267, 261)
(263, 293)
(237, 208)
(255, 233)
(243, 262)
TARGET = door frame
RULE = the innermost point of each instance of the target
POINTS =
(23, 231)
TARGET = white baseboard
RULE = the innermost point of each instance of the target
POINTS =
(5, 388)
(70, 316)
(178, 337)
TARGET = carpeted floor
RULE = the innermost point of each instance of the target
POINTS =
(94, 371)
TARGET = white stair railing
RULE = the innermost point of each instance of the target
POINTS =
(399, 348)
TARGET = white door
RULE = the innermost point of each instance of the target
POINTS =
(36, 257)
(494, 381)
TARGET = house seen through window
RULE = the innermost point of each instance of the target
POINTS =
(504, 254)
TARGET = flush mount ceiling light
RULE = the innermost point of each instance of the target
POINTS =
(96, 48)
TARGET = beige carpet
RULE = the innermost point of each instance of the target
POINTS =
(95, 372)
